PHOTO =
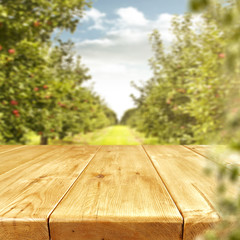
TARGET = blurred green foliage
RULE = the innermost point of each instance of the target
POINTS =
(130, 118)
(227, 15)
(184, 101)
(41, 80)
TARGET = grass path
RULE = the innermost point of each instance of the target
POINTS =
(114, 135)
(117, 135)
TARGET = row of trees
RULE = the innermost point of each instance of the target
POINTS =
(41, 79)
(185, 100)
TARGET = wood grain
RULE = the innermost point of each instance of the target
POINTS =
(7, 148)
(14, 157)
(119, 196)
(31, 191)
(193, 192)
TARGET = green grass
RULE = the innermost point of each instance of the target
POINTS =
(114, 135)
(33, 138)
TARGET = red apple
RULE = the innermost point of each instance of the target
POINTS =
(45, 86)
(181, 90)
(235, 110)
(11, 51)
(13, 102)
(15, 112)
(47, 97)
(175, 108)
(40, 133)
(0, 47)
(36, 89)
(36, 24)
(168, 101)
(61, 104)
(221, 55)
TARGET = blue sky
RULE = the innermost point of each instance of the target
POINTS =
(151, 8)
(112, 39)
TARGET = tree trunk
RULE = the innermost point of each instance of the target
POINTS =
(44, 140)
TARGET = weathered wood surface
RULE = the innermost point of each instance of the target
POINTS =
(182, 172)
(120, 196)
(14, 157)
(31, 191)
(7, 148)
(104, 193)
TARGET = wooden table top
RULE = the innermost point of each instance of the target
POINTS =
(105, 192)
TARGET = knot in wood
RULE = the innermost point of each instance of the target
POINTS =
(100, 176)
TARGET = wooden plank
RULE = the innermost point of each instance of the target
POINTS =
(192, 191)
(211, 151)
(7, 148)
(15, 157)
(119, 196)
(30, 192)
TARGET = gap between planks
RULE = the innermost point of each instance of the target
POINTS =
(207, 156)
(50, 213)
(12, 149)
(189, 231)
(144, 150)
(25, 163)
(192, 150)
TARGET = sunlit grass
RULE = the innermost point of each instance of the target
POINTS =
(33, 138)
(114, 135)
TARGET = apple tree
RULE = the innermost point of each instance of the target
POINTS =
(40, 80)
(183, 102)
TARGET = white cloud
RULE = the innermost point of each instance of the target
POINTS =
(93, 14)
(96, 16)
(96, 42)
(165, 19)
(122, 54)
(132, 17)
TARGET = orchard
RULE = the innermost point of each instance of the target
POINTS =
(184, 101)
(40, 80)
